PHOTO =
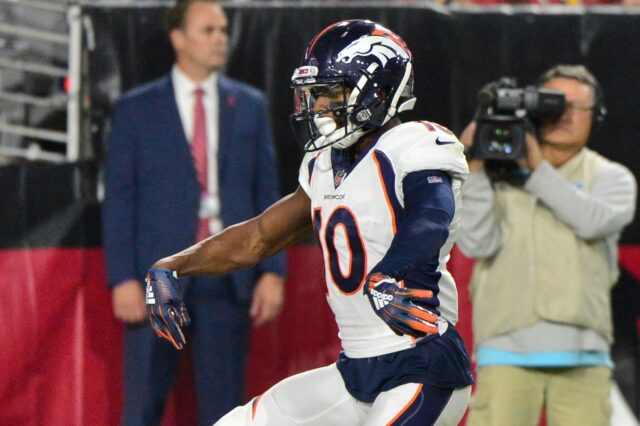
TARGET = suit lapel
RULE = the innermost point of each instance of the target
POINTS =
(171, 130)
(226, 119)
(170, 116)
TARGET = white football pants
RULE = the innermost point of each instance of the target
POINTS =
(319, 398)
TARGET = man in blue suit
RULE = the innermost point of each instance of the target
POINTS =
(198, 145)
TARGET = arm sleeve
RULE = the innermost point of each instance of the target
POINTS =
(480, 235)
(118, 209)
(267, 183)
(602, 212)
(429, 208)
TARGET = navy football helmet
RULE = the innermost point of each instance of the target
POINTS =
(356, 75)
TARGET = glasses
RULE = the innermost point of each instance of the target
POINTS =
(571, 107)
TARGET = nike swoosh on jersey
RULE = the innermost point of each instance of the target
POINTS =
(439, 142)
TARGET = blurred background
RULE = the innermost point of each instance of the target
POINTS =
(62, 66)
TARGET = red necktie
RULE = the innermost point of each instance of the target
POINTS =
(199, 148)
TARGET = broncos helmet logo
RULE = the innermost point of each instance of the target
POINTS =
(383, 48)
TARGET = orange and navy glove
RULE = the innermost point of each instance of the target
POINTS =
(395, 306)
(166, 310)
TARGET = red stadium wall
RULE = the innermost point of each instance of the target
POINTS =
(62, 359)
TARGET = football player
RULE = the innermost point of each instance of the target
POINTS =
(383, 198)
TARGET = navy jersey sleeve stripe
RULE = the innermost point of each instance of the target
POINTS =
(311, 163)
(429, 209)
(429, 189)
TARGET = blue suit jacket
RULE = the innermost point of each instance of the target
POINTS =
(152, 193)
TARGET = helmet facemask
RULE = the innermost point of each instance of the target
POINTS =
(323, 114)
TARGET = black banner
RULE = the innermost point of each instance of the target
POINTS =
(456, 52)
(47, 205)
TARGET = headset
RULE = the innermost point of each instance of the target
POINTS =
(600, 110)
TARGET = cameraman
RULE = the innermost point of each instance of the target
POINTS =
(546, 256)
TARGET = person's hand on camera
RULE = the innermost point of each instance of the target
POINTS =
(534, 153)
(466, 138)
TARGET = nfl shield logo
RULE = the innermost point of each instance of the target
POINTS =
(339, 177)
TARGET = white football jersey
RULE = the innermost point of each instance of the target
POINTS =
(354, 215)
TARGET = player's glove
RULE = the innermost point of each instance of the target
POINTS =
(167, 312)
(394, 304)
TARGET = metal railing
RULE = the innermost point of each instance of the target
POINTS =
(17, 133)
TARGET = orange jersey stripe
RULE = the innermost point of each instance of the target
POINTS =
(407, 405)
(254, 406)
(386, 197)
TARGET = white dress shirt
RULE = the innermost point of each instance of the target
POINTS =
(184, 90)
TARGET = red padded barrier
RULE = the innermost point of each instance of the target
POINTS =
(61, 360)
(304, 335)
(61, 363)
(630, 259)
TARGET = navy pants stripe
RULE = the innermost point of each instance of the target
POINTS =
(425, 408)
